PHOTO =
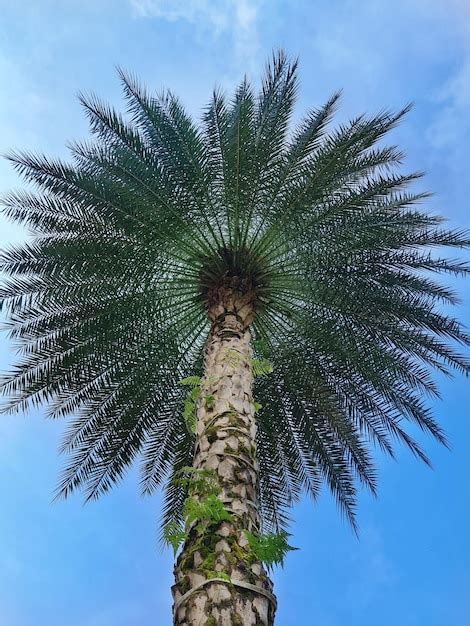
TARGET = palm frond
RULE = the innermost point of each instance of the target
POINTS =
(107, 302)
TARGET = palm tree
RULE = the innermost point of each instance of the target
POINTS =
(244, 307)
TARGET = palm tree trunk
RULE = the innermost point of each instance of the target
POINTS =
(218, 582)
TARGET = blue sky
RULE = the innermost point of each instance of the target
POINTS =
(99, 565)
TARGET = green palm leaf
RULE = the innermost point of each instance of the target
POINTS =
(107, 304)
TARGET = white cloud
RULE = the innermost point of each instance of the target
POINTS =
(448, 133)
(246, 31)
(213, 15)
(236, 18)
(454, 93)
(452, 119)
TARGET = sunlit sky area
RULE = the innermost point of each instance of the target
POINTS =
(65, 564)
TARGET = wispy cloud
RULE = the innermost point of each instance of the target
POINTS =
(236, 18)
(245, 30)
(454, 94)
(213, 15)
(454, 100)
(448, 132)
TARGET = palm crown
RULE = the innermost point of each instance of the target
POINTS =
(109, 300)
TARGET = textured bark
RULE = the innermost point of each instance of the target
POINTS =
(225, 444)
